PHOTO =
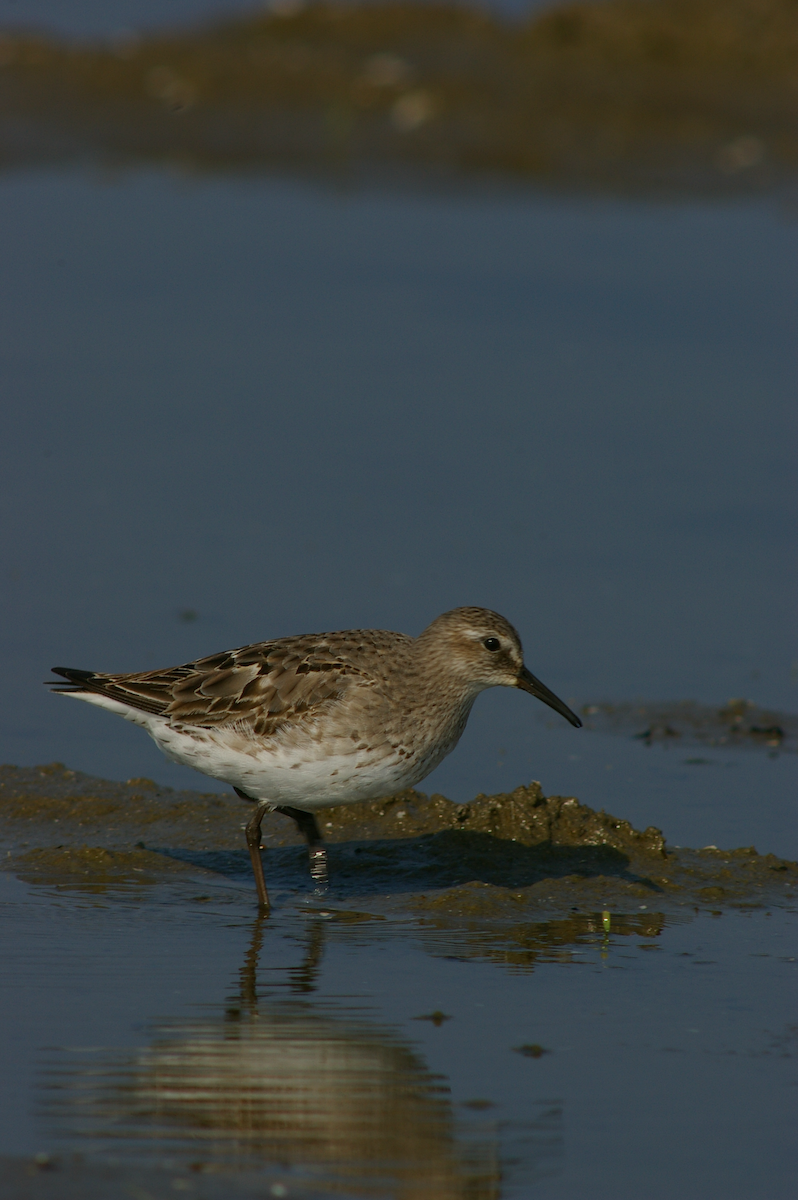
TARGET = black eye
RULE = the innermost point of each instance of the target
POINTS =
(492, 644)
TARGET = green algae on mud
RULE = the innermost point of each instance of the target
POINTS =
(506, 857)
(687, 95)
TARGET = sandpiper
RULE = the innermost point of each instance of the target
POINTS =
(302, 723)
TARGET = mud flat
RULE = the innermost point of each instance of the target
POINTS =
(675, 95)
(501, 858)
(739, 724)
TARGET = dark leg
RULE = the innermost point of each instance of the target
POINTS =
(310, 832)
(253, 843)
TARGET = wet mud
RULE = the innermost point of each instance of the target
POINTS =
(738, 724)
(625, 95)
(505, 859)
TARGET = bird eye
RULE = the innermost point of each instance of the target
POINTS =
(492, 644)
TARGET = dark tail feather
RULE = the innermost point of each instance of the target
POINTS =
(112, 686)
(78, 681)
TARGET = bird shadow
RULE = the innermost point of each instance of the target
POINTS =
(432, 861)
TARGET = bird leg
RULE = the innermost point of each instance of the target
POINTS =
(309, 829)
(253, 843)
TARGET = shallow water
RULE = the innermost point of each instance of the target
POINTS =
(241, 407)
(464, 1013)
(193, 1043)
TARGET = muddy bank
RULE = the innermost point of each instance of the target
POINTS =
(623, 95)
(736, 724)
(498, 858)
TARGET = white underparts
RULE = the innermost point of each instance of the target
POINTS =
(319, 773)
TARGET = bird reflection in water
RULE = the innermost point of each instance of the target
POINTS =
(286, 1082)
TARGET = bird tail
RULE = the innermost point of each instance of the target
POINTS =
(77, 681)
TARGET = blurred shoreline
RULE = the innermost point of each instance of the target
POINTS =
(625, 96)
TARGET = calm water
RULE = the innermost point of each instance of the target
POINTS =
(291, 1053)
(243, 407)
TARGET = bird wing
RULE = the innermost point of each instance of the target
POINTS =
(257, 687)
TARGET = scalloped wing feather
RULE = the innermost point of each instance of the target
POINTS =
(258, 687)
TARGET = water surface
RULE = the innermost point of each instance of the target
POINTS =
(246, 406)
(192, 1043)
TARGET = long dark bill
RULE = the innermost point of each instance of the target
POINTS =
(528, 683)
